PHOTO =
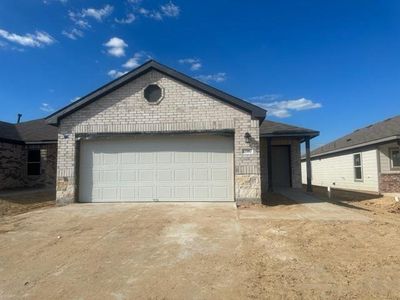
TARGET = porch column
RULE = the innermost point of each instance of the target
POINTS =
(269, 164)
(308, 164)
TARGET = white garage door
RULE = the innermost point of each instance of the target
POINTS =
(157, 168)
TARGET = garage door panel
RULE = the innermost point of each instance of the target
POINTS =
(146, 158)
(201, 193)
(165, 192)
(109, 176)
(182, 157)
(200, 174)
(146, 175)
(157, 168)
(219, 174)
(200, 157)
(110, 159)
(128, 158)
(128, 175)
(165, 175)
(220, 192)
(128, 193)
(109, 194)
(182, 174)
(165, 157)
(146, 192)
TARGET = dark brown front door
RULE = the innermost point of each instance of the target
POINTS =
(281, 175)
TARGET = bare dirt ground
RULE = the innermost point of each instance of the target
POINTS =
(203, 251)
(16, 202)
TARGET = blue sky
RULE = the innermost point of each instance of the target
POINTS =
(333, 66)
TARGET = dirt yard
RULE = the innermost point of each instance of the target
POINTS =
(203, 251)
(21, 201)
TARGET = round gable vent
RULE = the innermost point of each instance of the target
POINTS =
(153, 93)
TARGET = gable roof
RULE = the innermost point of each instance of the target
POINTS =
(276, 129)
(383, 131)
(256, 112)
(35, 131)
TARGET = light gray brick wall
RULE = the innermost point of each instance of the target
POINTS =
(183, 109)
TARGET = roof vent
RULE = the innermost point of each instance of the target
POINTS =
(348, 140)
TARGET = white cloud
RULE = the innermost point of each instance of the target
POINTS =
(99, 13)
(77, 18)
(37, 39)
(128, 20)
(80, 19)
(152, 14)
(218, 77)
(194, 63)
(170, 10)
(73, 34)
(136, 60)
(167, 10)
(115, 74)
(284, 108)
(46, 107)
(116, 47)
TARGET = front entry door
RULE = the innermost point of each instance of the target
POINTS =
(281, 166)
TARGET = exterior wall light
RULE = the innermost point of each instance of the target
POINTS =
(247, 137)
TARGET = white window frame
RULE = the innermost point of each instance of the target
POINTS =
(358, 166)
(392, 167)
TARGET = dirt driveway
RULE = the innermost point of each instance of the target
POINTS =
(180, 251)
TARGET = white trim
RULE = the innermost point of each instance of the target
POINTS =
(358, 166)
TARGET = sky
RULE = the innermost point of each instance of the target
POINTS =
(332, 66)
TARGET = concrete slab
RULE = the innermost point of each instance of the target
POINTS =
(321, 210)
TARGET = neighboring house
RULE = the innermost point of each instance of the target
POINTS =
(155, 134)
(367, 160)
(28, 154)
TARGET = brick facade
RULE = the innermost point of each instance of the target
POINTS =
(183, 109)
(389, 183)
(13, 166)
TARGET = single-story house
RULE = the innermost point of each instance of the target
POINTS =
(155, 134)
(367, 160)
(28, 154)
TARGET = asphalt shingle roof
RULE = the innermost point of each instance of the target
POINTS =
(30, 131)
(375, 132)
(271, 128)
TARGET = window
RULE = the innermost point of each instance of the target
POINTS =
(358, 176)
(395, 158)
(153, 93)
(33, 162)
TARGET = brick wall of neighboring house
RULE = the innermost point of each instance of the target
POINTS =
(389, 183)
(48, 166)
(183, 109)
(13, 166)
